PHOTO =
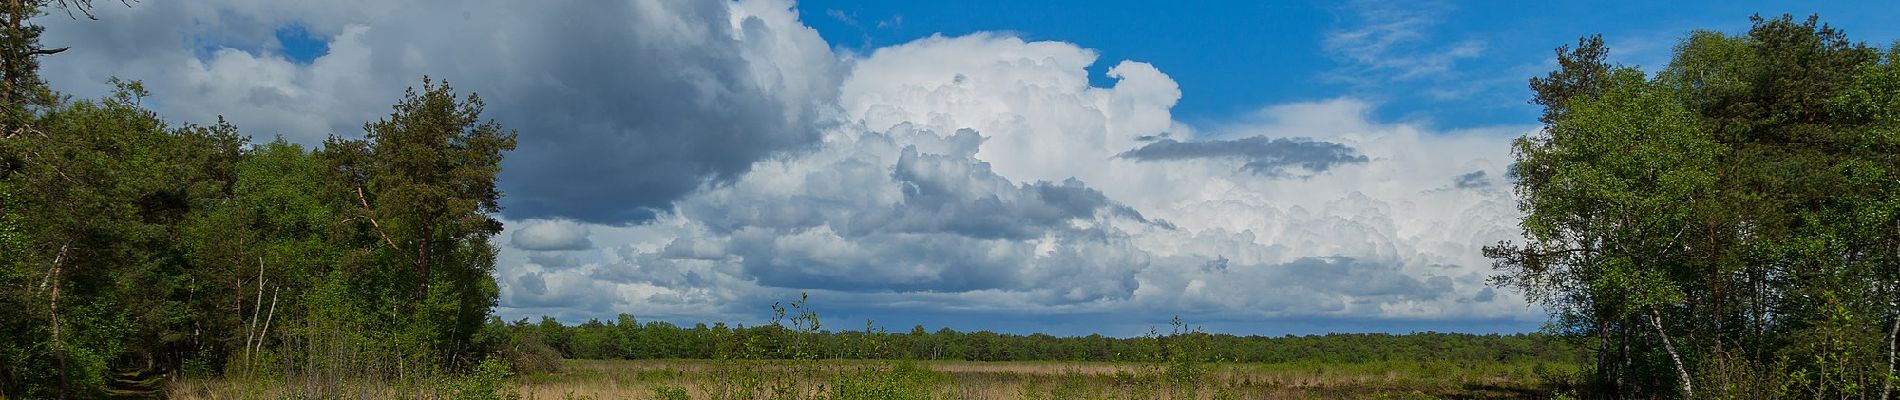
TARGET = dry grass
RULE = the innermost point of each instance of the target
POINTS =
(637, 379)
(953, 380)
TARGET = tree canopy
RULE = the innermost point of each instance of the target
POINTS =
(131, 248)
(1724, 227)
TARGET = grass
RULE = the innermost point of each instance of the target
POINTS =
(705, 379)
(1035, 380)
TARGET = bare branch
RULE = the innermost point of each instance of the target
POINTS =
(372, 221)
(268, 317)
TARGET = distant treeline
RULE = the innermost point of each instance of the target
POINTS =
(628, 338)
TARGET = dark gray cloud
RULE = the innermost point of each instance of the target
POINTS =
(553, 259)
(905, 210)
(532, 283)
(647, 117)
(1471, 180)
(955, 194)
(629, 117)
(1273, 157)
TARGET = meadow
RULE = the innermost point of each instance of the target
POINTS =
(883, 379)
(701, 379)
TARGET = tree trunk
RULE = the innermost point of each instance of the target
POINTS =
(1606, 374)
(257, 310)
(1688, 387)
(14, 17)
(1623, 367)
(1886, 381)
(267, 318)
(59, 346)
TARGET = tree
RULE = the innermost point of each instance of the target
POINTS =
(423, 187)
(22, 92)
(1580, 73)
(1733, 213)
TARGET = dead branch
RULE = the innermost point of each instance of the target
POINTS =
(268, 317)
(59, 347)
(372, 221)
(256, 308)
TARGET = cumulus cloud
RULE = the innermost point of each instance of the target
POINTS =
(1276, 157)
(547, 235)
(936, 194)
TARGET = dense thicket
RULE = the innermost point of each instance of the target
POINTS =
(131, 248)
(1727, 227)
(627, 338)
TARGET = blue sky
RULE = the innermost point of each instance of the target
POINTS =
(1234, 56)
(1065, 167)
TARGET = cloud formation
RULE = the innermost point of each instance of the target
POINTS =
(937, 194)
(1276, 157)
(700, 160)
(1392, 42)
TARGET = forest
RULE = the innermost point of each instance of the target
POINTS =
(1725, 226)
(133, 249)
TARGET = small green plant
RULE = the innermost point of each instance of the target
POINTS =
(904, 380)
(489, 381)
(670, 392)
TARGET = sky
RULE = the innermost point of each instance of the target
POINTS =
(1063, 167)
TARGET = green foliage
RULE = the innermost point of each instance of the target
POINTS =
(1726, 228)
(133, 250)
(665, 392)
(488, 381)
(903, 380)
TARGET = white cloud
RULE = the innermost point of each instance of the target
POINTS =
(970, 174)
(1394, 42)
(550, 235)
(931, 191)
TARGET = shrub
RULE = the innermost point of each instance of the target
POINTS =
(530, 355)
(489, 381)
(669, 392)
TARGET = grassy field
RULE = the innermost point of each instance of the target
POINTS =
(703, 379)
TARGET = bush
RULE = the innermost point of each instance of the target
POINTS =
(905, 380)
(670, 392)
(531, 356)
(489, 381)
